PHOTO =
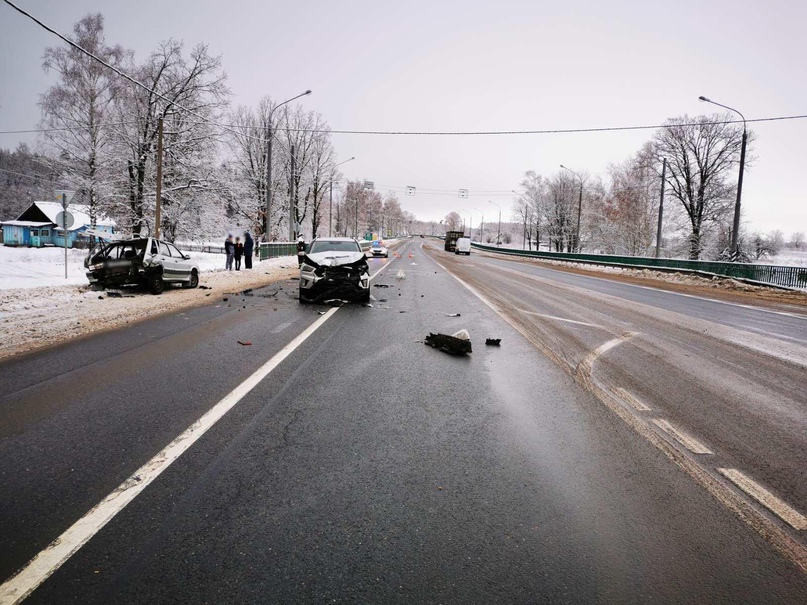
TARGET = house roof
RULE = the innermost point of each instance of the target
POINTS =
(24, 223)
(81, 214)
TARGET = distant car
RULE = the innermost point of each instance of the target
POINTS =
(144, 261)
(334, 268)
(463, 246)
(379, 249)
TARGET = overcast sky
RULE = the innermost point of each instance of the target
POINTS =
(504, 65)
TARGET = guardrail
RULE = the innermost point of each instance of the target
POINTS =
(201, 248)
(275, 249)
(777, 275)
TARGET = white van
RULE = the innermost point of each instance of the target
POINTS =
(463, 246)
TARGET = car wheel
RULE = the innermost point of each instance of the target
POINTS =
(156, 285)
(194, 281)
(365, 298)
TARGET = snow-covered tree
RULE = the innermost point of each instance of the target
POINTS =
(77, 112)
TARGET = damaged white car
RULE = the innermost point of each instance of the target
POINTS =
(334, 268)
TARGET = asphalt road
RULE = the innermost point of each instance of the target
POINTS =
(367, 467)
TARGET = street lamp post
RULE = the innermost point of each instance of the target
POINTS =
(482, 225)
(269, 136)
(499, 230)
(579, 210)
(735, 246)
(330, 196)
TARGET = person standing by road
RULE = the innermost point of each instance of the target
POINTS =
(239, 251)
(248, 247)
(229, 251)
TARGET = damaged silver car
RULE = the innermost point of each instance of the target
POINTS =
(334, 268)
(145, 262)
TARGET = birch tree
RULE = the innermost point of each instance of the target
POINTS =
(77, 111)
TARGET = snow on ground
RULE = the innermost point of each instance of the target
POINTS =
(34, 316)
(37, 267)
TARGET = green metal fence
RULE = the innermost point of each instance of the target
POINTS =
(789, 277)
(275, 249)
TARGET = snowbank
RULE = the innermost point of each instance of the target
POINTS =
(39, 267)
(33, 317)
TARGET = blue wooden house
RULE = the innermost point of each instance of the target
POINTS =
(37, 227)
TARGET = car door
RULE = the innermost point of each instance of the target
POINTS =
(182, 266)
(168, 263)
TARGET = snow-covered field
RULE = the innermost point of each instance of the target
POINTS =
(37, 267)
(38, 307)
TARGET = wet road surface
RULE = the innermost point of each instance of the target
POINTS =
(366, 466)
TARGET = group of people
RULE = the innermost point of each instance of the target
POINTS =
(236, 249)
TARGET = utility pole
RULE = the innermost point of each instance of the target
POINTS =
(292, 196)
(158, 211)
(330, 208)
(267, 220)
(661, 207)
(735, 245)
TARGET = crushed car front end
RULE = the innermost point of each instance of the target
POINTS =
(334, 277)
(117, 264)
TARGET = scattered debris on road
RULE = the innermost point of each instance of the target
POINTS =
(457, 344)
(493, 342)
(400, 274)
(380, 285)
(453, 315)
(367, 305)
(205, 288)
(245, 343)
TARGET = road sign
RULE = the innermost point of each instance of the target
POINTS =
(65, 219)
(463, 193)
(369, 185)
(410, 190)
(64, 197)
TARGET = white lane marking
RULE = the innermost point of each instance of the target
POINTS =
(714, 300)
(38, 569)
(631, 400)
(588, 361)
(688, 441)
(571, 321)
(781, 508)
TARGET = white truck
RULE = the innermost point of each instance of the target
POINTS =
(463, 246)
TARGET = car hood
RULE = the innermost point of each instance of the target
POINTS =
(335, 259)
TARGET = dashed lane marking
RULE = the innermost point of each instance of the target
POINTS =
(741, 505)
(688, 441)
(773, 503)
(631, 400)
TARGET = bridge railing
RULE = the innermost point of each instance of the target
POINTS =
(778, 275)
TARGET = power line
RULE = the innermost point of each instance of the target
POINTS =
(119, 72)
(458, 133)
(32, 175)
(229, 127)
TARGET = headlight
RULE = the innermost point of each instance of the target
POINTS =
(306, 268)
(96, 267)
